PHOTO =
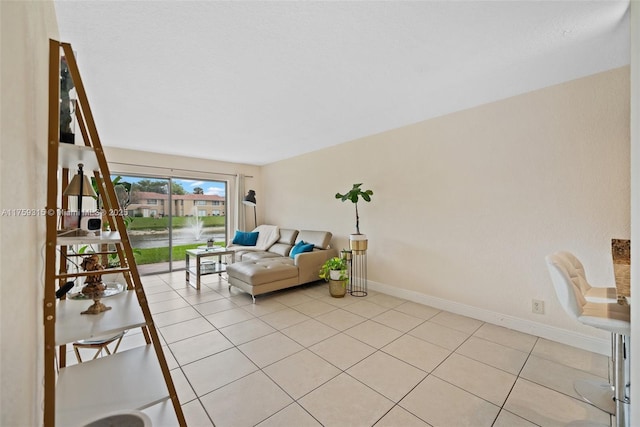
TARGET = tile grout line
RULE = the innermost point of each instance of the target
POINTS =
(316, 297)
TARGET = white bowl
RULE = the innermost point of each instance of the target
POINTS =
(131, 418)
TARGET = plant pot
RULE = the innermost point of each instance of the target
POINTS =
(334, 274)
(358, 242)
(337, 288)
(67, 137)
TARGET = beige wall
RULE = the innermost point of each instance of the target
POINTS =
(467, 205)
(26, 29)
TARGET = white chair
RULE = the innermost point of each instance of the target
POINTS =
(590, 293)
(99, 344)
(611, 317)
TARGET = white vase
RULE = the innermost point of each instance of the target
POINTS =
(334, 274)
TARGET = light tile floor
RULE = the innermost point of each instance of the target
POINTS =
(302, 358)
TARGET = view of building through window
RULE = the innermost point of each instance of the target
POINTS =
(163, 224)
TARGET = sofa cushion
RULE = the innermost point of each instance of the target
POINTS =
(286, 241)
(301, 247)
(288, 236)
(280, 249)
(244, 238)
(256, 256)
(320, 239)
(257, 273)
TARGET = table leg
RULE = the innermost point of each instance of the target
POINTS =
(197, 272)
(621, 380)
(186, 261)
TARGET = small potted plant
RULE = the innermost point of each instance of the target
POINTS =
(334, 271)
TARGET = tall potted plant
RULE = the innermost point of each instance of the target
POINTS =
(357, 241)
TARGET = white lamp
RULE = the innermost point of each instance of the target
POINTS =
(80, 186)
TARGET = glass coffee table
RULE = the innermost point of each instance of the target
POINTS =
(202, 266)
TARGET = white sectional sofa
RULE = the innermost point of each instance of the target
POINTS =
(268, 266)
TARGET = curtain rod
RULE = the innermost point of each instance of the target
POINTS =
(177, 169)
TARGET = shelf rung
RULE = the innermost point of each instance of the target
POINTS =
(92, 273)
(92, 253)
(103, 238)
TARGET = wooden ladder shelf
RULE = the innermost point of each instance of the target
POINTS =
(136, 379)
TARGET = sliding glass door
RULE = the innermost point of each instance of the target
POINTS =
(198, 211)
(167, 216)
(149, 222)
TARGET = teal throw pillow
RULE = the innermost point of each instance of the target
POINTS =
(300, 247)
(244, 238)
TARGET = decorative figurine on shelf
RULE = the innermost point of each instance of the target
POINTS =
(67, 105)
(94, 288)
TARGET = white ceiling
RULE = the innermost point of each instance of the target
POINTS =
(256, 82)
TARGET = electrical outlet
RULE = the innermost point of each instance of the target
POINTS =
(537, 306)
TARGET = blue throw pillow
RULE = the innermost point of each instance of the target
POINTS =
(244, 238)
(300, 247)
(296, 249)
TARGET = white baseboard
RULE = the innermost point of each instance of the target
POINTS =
(574, 339)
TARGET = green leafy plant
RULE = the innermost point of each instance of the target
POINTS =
(333, 264)
(354, 195)
(121, 188)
